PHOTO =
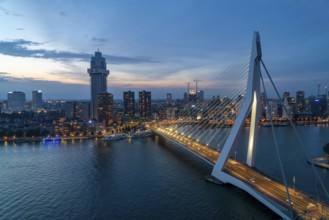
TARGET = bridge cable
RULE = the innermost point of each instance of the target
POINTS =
(277, 149)
(228, 72)
(298, 137)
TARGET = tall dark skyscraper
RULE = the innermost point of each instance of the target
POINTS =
(300, 101)
(169, 98)
(98, 74)
(129, 103)
(145, 104)
(105, 108)
(36, 99)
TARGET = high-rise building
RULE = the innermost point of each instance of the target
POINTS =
(98, 74)
(185, 97)
(286, 95)
(145, 104)
(36, 99)
(169, 98)
(300, 101)
(318, 106)
(105, 108)
(82, 110)
(16, 100)
(129, 103)
(200, 95)
(286, 108)
(69, 109)
(76, 109)
(192, 95)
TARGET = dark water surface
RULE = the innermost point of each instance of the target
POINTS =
(140, 179)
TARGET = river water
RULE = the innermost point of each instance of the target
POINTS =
(140, 179)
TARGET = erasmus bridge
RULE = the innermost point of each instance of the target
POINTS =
(211, 132)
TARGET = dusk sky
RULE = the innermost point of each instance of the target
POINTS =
(158, 45)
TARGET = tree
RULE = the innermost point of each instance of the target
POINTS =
(19, 133)
(326, 148)
(2, 133)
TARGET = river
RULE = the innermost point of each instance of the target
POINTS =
(146, 178)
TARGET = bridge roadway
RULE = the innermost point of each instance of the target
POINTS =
(303, 205)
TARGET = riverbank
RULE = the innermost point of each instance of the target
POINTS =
(39, 139)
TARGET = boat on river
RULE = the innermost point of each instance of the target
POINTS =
(114, 137)
(140, 134)
(51, 140)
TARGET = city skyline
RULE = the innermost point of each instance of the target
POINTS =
(171, 44)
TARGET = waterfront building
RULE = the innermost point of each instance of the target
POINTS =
(145, 104)
(319, 106)
(263, 104)
(105, 108)
(98, 74)
(69, 109)
(77, 109)
(16, 100)
(36, 99)
(129, 103)
(272, 109)
(82, 110)
(286, 111)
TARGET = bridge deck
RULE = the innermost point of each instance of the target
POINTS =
(303, 205)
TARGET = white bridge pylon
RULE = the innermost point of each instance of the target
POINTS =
(250, 105)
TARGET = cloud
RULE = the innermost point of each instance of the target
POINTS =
(9, 12)
(21, 48)
(5, 77)
(98, 40)
(62, 13)
(19, 29)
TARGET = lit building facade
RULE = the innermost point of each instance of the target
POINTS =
(105, 108)
(16, 100)
(300, 102)
(169, 98)
(129, 103)
(77, 109)
(98, 75)
(145, 104)
(36, 99)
